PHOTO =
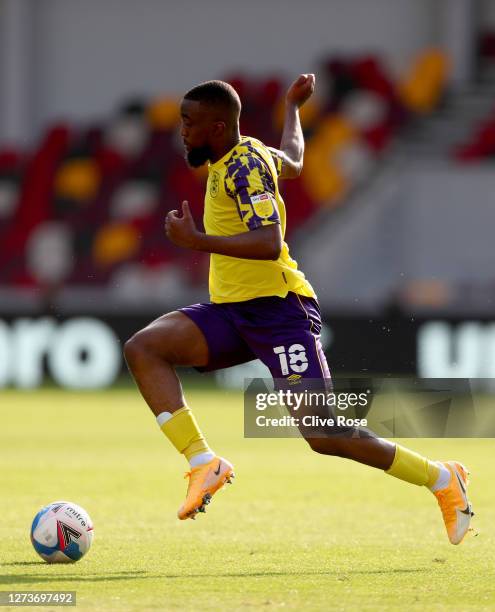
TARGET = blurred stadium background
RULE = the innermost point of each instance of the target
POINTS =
(392, 219)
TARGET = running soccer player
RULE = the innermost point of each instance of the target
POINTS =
(262, 306)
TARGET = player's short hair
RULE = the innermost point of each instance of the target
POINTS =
(216, 93)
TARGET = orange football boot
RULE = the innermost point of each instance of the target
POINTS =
(453, 502)
(204, 482)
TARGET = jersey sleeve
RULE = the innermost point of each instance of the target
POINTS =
(250, 183)
(277, 159)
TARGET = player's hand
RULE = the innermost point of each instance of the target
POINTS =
(182, 231)
(301, 89)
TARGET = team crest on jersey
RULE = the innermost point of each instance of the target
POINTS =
(263, 205)
(214, 184)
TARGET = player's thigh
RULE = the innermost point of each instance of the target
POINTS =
(287, 339)
(226, 347)
(173, 337)
(295, 356)
(292, 351)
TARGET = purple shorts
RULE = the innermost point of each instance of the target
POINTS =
(284, 333)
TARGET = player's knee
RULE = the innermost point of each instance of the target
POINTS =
(152, 342)
(132, 350)
(138, 348)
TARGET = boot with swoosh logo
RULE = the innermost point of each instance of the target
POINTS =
(204, 481)
(453, 502)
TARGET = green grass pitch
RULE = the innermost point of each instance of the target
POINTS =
(297, 531)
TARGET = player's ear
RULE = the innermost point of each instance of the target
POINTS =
(219, 128)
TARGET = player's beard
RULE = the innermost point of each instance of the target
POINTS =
(198, 156)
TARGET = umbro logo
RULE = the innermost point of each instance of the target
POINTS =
(294, 379)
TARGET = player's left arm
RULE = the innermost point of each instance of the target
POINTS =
(289, 158)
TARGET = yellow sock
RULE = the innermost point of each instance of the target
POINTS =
(183, 431)
(412, 467)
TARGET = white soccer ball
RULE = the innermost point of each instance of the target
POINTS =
(62, 532)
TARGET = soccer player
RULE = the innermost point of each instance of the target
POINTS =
(262, 306)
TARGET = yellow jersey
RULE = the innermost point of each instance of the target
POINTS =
(242, 195)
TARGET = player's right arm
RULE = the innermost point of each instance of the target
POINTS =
(289, 158)
(264, 243)
(251, 186)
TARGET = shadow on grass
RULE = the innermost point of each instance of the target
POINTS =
(295, 573)
(143, 575)
(17, 563)
(50, 576)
